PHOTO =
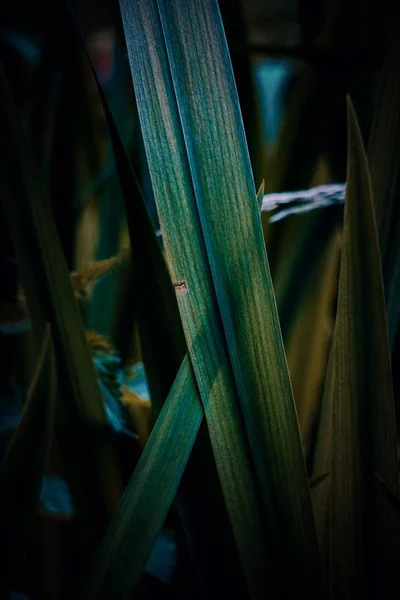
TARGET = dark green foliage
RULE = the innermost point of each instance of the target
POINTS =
(251, 521)
(22, 468)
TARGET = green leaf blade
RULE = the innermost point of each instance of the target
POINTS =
(164, 346)
(188, 265)
(140, 515)
(225, 197)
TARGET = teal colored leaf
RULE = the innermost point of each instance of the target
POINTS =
(125, 549)
(163, 346)
(223, 185)
(188, 265)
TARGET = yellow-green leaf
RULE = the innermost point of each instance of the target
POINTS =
(363, 547)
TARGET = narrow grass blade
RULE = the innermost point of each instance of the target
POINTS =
(157, 328)
(363, 529)
(234, 17)
(111, 217)
(164, 348)
(307, 348)
(308, 241)
(30, 221)
(90, 463)
(71, 136)
(125, 549)
(187, 259)
(225, 197)
(22, 468)
(260, 196)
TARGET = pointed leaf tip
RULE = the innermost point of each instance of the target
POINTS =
(260, 196)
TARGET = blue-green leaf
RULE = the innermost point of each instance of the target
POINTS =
(188, 264)
(131, 535)
(224, 192)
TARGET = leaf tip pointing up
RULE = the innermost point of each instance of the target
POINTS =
(354, 138)
(260, 196)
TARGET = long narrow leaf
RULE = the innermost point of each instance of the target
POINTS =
(126, 547)
(188, 264)
(164, 348)
(90, 464)
(308, 345)
(363, 553)
(155, 326)
(225, 198)
(28, 214)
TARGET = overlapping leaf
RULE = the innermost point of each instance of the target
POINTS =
(309, 343)
(146, 501)
(186, 239)
(164, 348)
(186, 255)
(225, 201)
(46, 282)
